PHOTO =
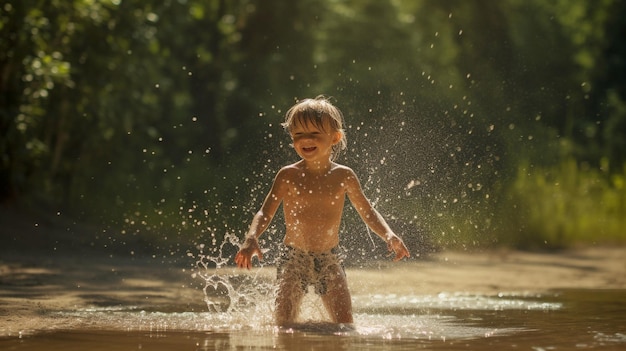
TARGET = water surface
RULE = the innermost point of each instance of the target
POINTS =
(454, 302)
(559, 320)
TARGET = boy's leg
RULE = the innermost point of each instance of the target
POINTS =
(288, 300)
(337, 299)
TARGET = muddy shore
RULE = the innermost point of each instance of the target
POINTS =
(33, 286)
(44, 270)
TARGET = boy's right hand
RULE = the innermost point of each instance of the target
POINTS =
(249, 249)
(396, 245)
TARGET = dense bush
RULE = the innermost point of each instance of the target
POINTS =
(477, 123)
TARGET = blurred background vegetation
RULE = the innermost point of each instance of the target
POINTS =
(472, 124)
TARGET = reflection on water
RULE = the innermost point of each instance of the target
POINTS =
(564, 320)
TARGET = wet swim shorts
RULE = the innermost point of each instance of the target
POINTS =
(317, 269)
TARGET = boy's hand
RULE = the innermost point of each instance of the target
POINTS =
(396, 245)
(249, 249)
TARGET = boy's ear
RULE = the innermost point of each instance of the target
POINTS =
(337, 137)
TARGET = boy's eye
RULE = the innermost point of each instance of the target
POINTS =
(304, 134)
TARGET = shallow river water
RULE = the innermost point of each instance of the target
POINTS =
(104, 307)
(556, 320)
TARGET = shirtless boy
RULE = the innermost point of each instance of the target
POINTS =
(312, 192)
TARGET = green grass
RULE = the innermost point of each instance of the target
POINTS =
(567, 205)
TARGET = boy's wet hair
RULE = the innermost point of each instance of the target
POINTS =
(321, 113)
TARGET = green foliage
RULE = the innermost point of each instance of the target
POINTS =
(162, 117)
(566, 205)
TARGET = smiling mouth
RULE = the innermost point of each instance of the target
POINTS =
(309, 149)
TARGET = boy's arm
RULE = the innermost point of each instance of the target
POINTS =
(260, 222)
(372, 218)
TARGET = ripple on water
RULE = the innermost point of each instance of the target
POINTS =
(431, 317)
(577, 319)
(454, 301)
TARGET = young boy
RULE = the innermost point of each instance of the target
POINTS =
(312, 192)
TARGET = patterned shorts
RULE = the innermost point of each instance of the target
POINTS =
(317, 269)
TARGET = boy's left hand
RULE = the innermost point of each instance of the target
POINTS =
(396, 245)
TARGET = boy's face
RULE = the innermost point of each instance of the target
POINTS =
(313, 143)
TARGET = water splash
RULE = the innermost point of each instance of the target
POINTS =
(228, 291)
(247, 296)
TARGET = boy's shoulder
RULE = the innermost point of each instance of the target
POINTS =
(342, 171)
(289, 171)
(290, 168)
(341, 168)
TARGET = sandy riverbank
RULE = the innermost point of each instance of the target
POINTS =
(50, 265)
(32, 286)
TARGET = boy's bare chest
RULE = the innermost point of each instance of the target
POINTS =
(318, 192)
